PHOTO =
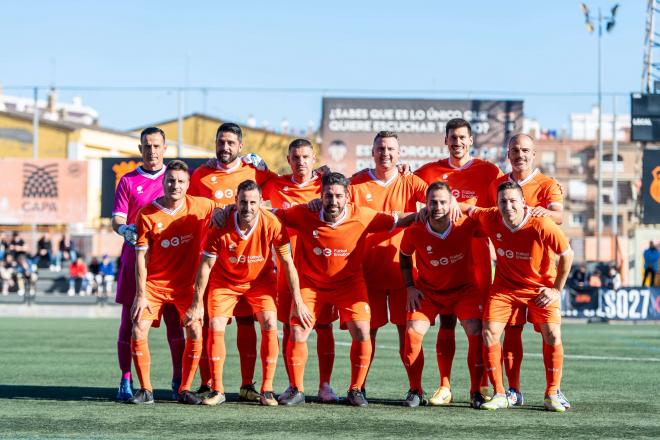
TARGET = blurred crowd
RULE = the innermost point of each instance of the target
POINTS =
(19, 266)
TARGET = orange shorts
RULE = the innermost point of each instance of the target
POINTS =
(464, 302)
(243, 308)
(381, 300)
(223, 300)
(501, 306)
(351, 301)
(159, 299)
(518, 317)
(327, 315)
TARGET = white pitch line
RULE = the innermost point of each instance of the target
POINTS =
(539, 355)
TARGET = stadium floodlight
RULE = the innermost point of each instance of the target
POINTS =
(609, 25)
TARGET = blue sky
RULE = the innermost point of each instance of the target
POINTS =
(511, 46)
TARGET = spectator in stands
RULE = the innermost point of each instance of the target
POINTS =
(106, 276)
(4, 245)
(44, 254)
(66, 252)
(579, 278)
(612, 279)
(93, 275)
(8, 273)
(594, 279)
(78, 271)
(26, 275)
(651, 256)
(17, 245)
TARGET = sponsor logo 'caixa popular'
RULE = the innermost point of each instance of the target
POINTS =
(175, 241)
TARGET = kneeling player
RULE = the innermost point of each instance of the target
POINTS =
(237, 262)
(169, 231)
(526, 276)
(445, 285)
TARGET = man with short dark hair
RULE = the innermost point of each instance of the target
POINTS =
(331, 246)
(528, 275)
(237, 262)
(469, 179)
(169, 234)
(135, 190)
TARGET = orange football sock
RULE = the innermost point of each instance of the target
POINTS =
(286, 333)
(246, 342)
(553, 359)
(218, 355)
(414, 358)
(296, 357)
(325, 349)
(475, 361)
(445, 348)
(191, 356)
(142, 362)
(512, 353)
(484, 356)
(204, 363)
(360, 358)
(494, 367)
(270, 351)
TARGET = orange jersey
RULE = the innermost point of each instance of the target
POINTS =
(244, 258)
(468, 183)
(172, 239)
(284, 192)
(220, 185)
(525, 254)
(330, 255)
(399, 194)
(538, 190)
(443, 261)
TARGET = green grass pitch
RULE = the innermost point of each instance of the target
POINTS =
(59, 377)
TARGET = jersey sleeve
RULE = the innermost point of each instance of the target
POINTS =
(481, 216)
(122, 194)
(554, 195)
(554, 238)
(142, 226)
(407, 243)
(419, 188)
(263, 176)
(196, 188)
(212, 243)
(292, 217)
(491, 200)
(378, 221)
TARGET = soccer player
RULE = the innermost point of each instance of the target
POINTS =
(469, 179)
(383, 188)
(544, 198)
(169, 232)
(218, 180)
(527, 276)
(302, 186)
(237, 262)
(445, 284)
(135, 190)
(329, 255)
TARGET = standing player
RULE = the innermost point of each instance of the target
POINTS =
(544, 198)
(330, 250)
(135, 190)
(527, 276)
(167, 250)
(302, 186)
(445, 284)
(218, 180)
(238, 262)
(385, 189)
(469, 179)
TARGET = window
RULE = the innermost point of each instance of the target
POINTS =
(577, 220)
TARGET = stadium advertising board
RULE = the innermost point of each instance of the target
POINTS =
(46, 192)
(651, 186)
(112, 169)
(349, 125)
(645, 117)
(624, 304)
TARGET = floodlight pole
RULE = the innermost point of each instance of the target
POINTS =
(35, 125)
(599, 160)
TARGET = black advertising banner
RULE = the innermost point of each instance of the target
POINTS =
(651, 186)
(350, 124)
(645, 117)
(112, 168)
(623, 304)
